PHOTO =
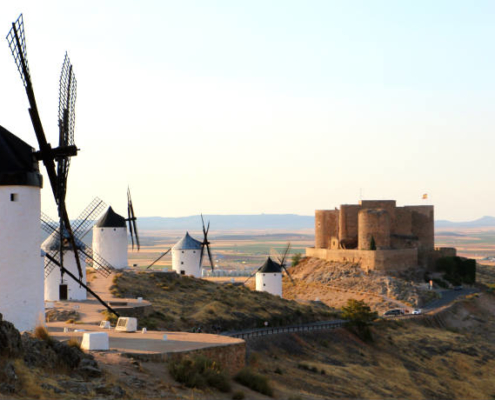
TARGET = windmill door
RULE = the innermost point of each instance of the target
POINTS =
(63, 292)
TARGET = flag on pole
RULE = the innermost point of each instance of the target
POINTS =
(425, 196)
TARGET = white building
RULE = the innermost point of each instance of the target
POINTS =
(269, 278)
(58, 286)
(110, 239)
(21, 270)
(186, 256)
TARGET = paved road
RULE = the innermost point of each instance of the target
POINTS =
(447, 297)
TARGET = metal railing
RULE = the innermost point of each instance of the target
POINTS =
(315, 326)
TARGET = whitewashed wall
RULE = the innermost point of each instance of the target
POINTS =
(111, 245)
(186, 260)
(21, 267)
(269, 282)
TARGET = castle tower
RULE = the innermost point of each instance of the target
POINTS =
(374, 223)
(21, 269)
(186, 256)
(110, 239)
(269, 278)
(326, 229)
(58, 287)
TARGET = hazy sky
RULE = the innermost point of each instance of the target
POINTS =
(249, 107)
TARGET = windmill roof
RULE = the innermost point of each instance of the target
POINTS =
(187, 243)
(270, 266)
(17, 163)
(52, 242)
(111, 220)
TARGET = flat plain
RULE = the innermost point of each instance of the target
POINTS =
(245, 250)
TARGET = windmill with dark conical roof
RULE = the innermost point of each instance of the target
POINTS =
(21, 268)
(269, 275)
(56, 160)
(110, 235)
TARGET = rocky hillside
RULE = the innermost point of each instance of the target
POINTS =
(37, 366)
(446, 356)
(334, 283)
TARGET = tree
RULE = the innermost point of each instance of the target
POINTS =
(359, 318)
(372, 243)
(296, 259)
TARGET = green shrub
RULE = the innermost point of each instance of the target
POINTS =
(296, 259)
(259, 383)
(199, 372)
(359, 317)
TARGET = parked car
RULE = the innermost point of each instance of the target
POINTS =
(458, 287)
(416, 311)
(394, 312)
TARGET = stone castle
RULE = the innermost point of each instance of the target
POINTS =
(378, 235)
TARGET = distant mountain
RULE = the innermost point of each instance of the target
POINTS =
(229, 222)
(479, 223)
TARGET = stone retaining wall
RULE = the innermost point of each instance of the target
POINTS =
(231, 357)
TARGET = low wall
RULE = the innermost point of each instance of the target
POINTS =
(231, 357)
(378, 260)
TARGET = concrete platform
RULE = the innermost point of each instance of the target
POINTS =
(150, 342)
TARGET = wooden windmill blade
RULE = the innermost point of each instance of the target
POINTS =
(50, 265)
(206, 244)
(159, 258)
(132, 220)
(282, 262)
(253, 274)
(48, 224)
(84, 223)
(95, 261)
(17, 43)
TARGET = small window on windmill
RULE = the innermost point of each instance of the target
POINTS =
(182, 262)
(182, 251)
(114, 229)
(102, 229)
(264, 284)
(14, 197)
(194, 251)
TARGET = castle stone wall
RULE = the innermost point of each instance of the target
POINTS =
(403, 222)
(378, 260)
(326, 227)
(348, 222)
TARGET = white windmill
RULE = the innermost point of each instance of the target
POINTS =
(269, 275)
(58, 286)
(110, 235)
(21, 268)
(57, 162)
(187, 254)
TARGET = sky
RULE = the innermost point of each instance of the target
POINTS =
(249, 107)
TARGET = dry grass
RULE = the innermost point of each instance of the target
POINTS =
(182, 303)
(41, 332)
(447, 356)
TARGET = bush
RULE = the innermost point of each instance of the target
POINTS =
(359, 317)
(259, 383)
(457, 270)
(296, 259)
(238, 395)
(40, 332)
(199, 372)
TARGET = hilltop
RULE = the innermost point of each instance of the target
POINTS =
(186, 303)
